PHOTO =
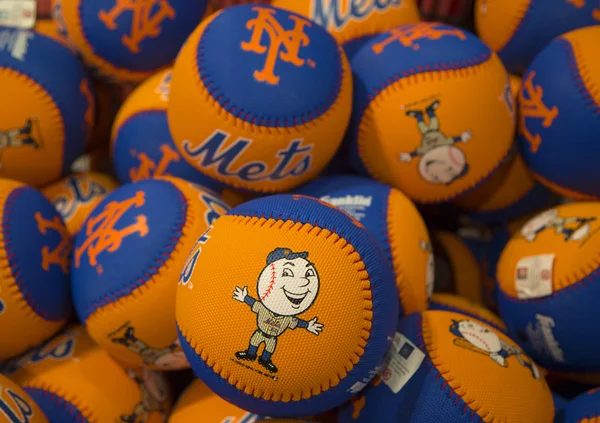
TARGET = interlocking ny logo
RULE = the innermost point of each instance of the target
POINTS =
(61, 253)
(148, 168)
(581, 3)
(409, 35)
(144, 24)
(101, 232)
(284, 45)
(533, 107)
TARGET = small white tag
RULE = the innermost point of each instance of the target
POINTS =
(533, 276)
(403, 360)
(18, 13)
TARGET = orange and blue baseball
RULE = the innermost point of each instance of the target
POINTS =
(126, 262)
(141, 144)
(73, 380)
(519, 29)
(127, 41)
(352, 23)
(16, 406)
(584, 408)
(549, 285)
(35, 246)
(286, 306)
(559, 114)
(260, 98)
(50, 107)
(457, 304)
(433, 113)
(396, 224)
(449, 367)
(76, 196)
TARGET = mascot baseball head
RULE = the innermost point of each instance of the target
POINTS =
(288, 286)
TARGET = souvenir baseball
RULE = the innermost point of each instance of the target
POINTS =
(433, 113)
(507, 194)
(558, 101)
(260, 98)
(456, 268)
(48, 110)
(396, 224)
(35, 246)
(126, 262)
(352, 22)
(310, 305)
(582, 409)
(548, 287)
(76, 196)
(127, 40)
(74, 380)
(449, 367)
(456, 304)
(518, 29)
(16, 406)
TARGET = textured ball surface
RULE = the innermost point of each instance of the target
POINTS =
(76, 196)
(260, 98)
(16, 405)
(433, 113)
(457, 304)
(126, 262)
(352, 22)
(35, 248)
(518, 29)
(509, 193)
(457, 369)
(141, 143)
(585, 408)
(396, 224)
(548, 269)
(127, 40)
(73, 380)
(49, 111)
(559, 98)
(291, 263)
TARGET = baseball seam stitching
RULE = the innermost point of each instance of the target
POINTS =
(271, 284)
(365, 333)
(583, 80)
(62, 399)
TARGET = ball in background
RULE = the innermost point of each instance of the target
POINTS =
(293, 263)
(457, 304)
(433, 113)
(76, 196)
(74, 380)
(35, 246)
(519, 29)
(583, 408)
(260, 98)
(49, 109)
(126, 262)
(559, 107)
(127, 41)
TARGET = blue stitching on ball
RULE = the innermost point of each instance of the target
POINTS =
(587, 97)
(60, 401)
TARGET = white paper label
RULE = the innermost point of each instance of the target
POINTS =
(402, 361)
(533, 276)
(18, 13)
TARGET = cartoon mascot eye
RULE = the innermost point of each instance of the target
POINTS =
(309, 273)
(287, 272)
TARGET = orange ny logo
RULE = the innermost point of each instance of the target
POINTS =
(533, 107)
(143, 23)
(408, 35)
(60, 255)
(290, 41)
(148, 168)
(581, 3)
(84, 89)
(102, 234)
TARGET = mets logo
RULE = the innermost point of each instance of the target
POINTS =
(148, 15)
(78, 192)
(163, 88)
(190, 264)
(329, 13)
(409, 36)
(59, 255)
(149, 168)
(533, 107)
(14, 407)
(60, 348)
(581, 3)
(284, 45)
(102, 234)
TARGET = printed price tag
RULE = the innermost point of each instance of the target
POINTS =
(18, 13)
